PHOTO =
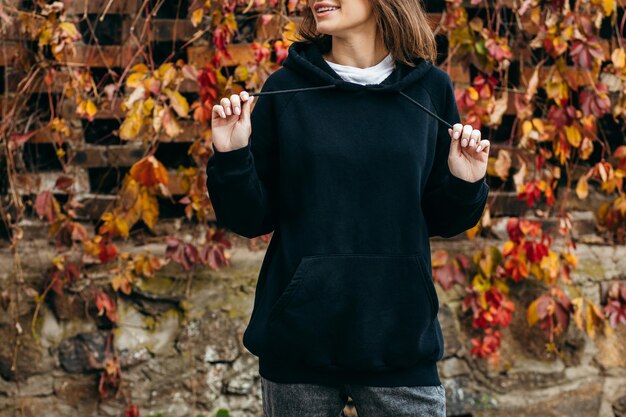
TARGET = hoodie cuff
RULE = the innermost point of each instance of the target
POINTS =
(465, 190)
(236, 158)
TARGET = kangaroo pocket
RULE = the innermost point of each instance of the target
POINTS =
(367, 312)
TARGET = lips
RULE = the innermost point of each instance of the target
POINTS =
(318, 6)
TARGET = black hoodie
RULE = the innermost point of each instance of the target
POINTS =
(352, 180)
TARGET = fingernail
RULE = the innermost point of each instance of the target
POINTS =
(237, 111)
(228, 111)
(464, 142)
(456, 135)
(478, 148)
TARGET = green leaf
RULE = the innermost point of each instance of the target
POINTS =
(222, 412)
(480, 48)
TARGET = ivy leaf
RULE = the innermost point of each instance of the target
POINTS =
(47, 206)
(169, 122)
(196, 17)
(149, 209)
(178, 102)
(149, 172)
(582, 187)
(131, 126)
(106, 306)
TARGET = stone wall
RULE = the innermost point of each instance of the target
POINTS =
(179, 340)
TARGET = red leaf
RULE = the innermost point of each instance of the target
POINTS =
(46, 206)
(63, 183)
(132, 411)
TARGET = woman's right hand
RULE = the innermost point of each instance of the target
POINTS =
(230, 122)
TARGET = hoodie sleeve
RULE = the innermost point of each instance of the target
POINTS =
(241, 182)
(450, 204)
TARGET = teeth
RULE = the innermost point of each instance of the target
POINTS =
(323, 9)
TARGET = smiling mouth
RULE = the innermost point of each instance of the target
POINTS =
(322, 11)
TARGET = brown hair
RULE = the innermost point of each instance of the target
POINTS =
(403, 25)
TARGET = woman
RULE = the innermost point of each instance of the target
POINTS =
(353, 178)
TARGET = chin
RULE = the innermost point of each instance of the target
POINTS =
(325, 30)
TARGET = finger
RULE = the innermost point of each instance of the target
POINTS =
(457, 128)
(225, 102)
(247, 108)
(467, 129)
(483, 145)
(236, 103)
(218, 110)
(455, 147)
(244, 96)
(474, 138)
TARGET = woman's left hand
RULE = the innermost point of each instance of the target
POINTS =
(468, 153)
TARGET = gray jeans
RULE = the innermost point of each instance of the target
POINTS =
(311, 400)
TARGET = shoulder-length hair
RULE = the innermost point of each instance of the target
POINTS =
(403, 25)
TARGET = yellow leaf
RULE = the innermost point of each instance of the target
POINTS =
(44, 37)
(122, 282)
(602, 171)
(473, 94)
(480, 283)
(503, 164)
(241, 73)
(231, 22)
(196, 17)
(532, 315)
(582, 188)
(573, 135)
(571, 259)
(178, 102)
(149, 209)
(131, 126)
(538, 124)
(550, 265)
(157, 117)
(166, 73)
(560, 44)
(619, 58)
(134, 80)
(591, 331)
(586, 148)
(122, 226)
(70, 29)
(471, 232)
(148, 106)
(169, 122)
(578, 308)
(139, 68)
(91, 109)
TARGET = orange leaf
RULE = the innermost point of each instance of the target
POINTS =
(149, 172)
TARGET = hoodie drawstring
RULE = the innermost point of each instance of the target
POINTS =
(262, 93)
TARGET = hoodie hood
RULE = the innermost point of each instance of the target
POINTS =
(307, 59)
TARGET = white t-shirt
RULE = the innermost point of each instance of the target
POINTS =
(370, 75)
